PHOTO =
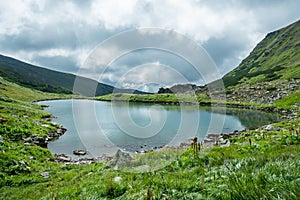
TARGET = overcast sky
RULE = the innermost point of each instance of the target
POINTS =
(61, 35)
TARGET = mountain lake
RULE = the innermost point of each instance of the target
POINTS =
(101, 128)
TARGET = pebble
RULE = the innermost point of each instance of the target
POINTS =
(45, 174)
(117, 179)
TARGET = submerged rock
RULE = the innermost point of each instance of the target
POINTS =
(79, 152)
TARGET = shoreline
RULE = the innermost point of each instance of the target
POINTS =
(210, 140)
(290, 113)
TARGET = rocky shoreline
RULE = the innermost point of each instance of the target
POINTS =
(52, 135)
(68, 160)
(210, 140)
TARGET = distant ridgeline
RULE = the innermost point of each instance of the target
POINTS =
(53, 81)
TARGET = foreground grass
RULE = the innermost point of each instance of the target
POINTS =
(265, 169)
(259, 164)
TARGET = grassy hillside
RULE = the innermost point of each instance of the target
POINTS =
(47, 80)
(277, 56)
(17, 92)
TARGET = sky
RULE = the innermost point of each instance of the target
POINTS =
(62, 35)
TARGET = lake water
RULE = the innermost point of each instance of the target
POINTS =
(103, 127)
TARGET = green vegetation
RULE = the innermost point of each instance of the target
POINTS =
(277, 56)
(46, 80)
(155, 98)
(16, 92)
(289, 102)
(202, 99)
(266, 168)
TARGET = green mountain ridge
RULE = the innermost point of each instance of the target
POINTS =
(277, 56)
(47, 80)
(270, 73)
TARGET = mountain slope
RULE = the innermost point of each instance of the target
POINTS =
(270, 73)
(277, 56)
(52, 81)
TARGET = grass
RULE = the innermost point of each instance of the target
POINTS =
(265, 168)
(275, 57)
(290, 101)
(155, 98)
(11, 90)
(286, 103)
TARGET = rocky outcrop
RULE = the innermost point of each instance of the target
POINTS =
(164, 90)
(68, 160)
(43, 141)
(265, 92)
(79, 152)
(121, 158)
(183, 89)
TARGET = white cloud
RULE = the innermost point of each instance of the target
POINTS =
(32, 30)
(114, 13)
(150, 76)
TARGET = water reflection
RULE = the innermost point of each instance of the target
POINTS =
(137, 127)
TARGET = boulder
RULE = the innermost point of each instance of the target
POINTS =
(121, 158)
(117, 179)
(225, 143)
(40, 142)
(225, 136)
(2, 120)
(79, 152)
(213, 135)
(45, 174)
(63, 158)
(270, 127)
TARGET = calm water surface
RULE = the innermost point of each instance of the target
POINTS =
(103, 127)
